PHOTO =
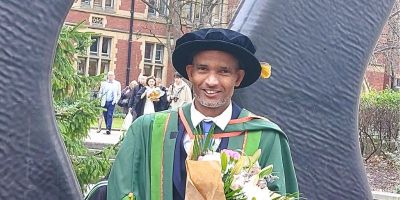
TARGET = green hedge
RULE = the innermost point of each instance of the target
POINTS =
(379, 123)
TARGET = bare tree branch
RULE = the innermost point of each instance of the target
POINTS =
(153, 34)
(394, 14)
(386, 49)
(156, 9)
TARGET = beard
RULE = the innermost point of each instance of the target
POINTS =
(211, 104)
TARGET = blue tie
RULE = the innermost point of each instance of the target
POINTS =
(206, 126)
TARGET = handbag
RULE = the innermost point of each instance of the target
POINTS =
(127, 121)
(123, 102)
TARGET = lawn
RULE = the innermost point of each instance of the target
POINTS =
(117, 123)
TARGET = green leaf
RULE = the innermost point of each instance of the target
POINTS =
(238, 165)
(266, 171)
(207, 142)
(224, 161)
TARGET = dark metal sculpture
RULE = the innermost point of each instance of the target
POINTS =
(318, 50)
(33, 160)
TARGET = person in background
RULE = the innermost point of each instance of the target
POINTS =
(147, 97)
(132, 103)
(96, 94)
(126, 94)
(163, 103)
(179, 92)
(110, 92)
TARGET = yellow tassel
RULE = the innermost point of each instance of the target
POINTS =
(131, 196)
(265, 70)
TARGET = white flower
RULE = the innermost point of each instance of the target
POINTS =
(254, 192)
(238, 181)
(211, 156)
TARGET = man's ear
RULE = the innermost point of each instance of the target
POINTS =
(189, 71)
(240, 76)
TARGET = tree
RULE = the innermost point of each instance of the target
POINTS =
(75, 110)
(386, 55)
(183, 16)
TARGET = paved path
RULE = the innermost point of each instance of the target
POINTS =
(99, 140)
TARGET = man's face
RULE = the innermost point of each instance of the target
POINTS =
(142, 80)
(110, 77)
(214, 75)
(158, 81)
(178, 80)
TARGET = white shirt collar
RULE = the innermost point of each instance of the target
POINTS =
(221, 120)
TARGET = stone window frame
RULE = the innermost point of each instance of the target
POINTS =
(195, 7)
(101, 60)
(152, 66)
(152, 12)
(104, 5)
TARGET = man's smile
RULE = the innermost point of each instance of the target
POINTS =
(211, 93)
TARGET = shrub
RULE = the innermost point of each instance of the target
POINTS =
(379, 123)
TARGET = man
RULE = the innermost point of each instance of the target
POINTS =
(162, 104)
(133, 101)
(151, 161)
(110, 92)
(179, 92)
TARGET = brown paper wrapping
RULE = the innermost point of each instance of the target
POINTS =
(204, 181)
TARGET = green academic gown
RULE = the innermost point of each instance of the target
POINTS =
(144, 163)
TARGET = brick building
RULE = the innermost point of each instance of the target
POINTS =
(110, 21)
(383, 70)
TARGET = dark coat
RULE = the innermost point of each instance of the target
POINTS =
(139, 102)
(163, 103)
(126, 94)
(134, 101)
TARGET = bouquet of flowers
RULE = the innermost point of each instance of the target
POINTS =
(230, 175)
(155, 94)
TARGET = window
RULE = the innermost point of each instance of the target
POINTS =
(85, 3)
(105, 66)
(92, 67)
(217, 12)
(147, 70)
(187, 11)
(153, 60)
(94, 48)
(98, 4)
(197, 9)
(97, 59)
(105, 49)
(157, 7)
(109, 4)
(148, 52)
(159, 54)
(158, 71)
(151, 9)
(81, 66)
(162, 7)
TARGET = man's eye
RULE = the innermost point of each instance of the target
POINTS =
(225, 71)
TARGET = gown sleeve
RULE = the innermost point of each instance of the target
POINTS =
(129, 173)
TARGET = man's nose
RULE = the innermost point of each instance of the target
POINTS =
(212, 79)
